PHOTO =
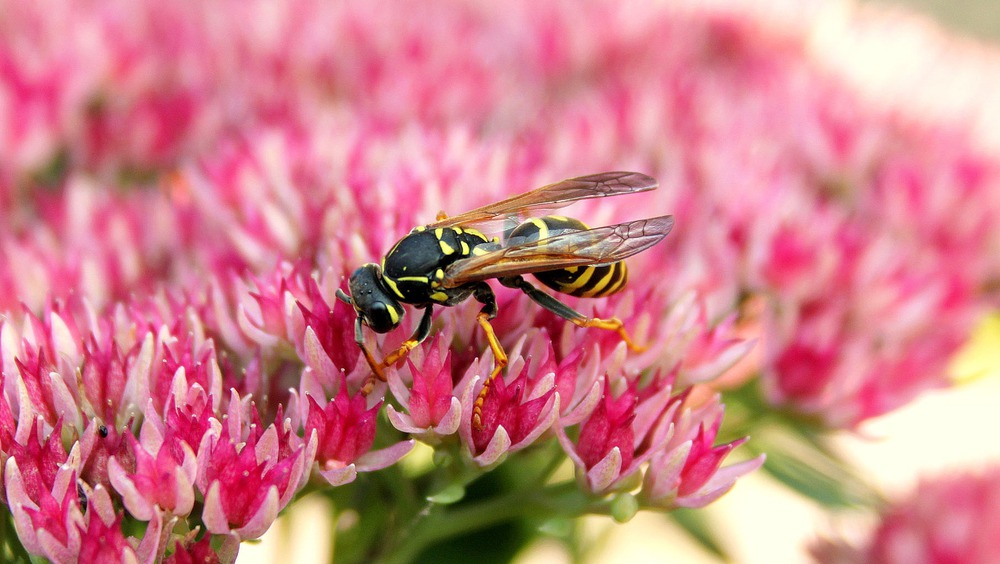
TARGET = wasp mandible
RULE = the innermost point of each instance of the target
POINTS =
(447, 261)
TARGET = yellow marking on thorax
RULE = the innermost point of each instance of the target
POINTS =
(439, 232)
(476, 233)
(392, 286)
(439, 297)
(479, 251)
(465, 248)
(445, 247)
(412, 279)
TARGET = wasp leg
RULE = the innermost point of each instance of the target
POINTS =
(484, 294)
(359, 338)
(423, 329)
(568, 313)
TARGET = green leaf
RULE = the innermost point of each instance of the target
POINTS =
(696, 523)
(805, 463)
(448, 495)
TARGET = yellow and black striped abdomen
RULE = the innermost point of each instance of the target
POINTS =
(580, 281)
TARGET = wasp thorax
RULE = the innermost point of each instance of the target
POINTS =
(376, 308)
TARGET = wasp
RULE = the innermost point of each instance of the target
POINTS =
(446, 262)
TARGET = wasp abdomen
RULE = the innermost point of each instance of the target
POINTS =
(582, 281)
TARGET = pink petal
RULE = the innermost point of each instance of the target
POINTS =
(497, 448)
(136, 504)
(316, 358)
(606, 471)
(383, 458)
(340, 476)
(263, 518)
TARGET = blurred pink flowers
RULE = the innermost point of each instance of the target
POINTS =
(184, 187)
(951, 518)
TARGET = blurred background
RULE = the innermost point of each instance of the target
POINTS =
(978, 19)
(763, 521)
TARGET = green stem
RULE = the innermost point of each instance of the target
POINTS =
(440, 522)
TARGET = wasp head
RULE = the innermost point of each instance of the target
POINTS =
(372, 302)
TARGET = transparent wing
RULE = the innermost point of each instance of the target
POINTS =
(602, 245)
(553, 196)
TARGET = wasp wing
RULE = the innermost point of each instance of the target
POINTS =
(602, 245)
(556, 195)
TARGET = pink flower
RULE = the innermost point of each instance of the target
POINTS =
(431, 409)
(245, 485)
(952, 518)
(159, 481)
(201, 552)
(685, 470)
(606, 446)
(40, 483)
(345, 431)
(333, 327)
(104, 542)
(104, 378)
(514, 415)
(39, 462)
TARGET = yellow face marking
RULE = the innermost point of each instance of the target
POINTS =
(392, 286)
(393, 315)
(439, 297)
(446, 248)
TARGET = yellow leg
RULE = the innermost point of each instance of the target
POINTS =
(369, 384)
(613, 324)
(399, 354)
(568, 313)
(499, 362)
(418, 336)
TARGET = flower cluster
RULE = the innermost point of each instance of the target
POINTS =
(186, 185)
(952, 518)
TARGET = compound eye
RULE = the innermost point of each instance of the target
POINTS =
(381, 318)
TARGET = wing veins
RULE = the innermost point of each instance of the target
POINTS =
(601, 245)
(556, 195)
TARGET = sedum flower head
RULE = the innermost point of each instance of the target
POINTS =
(173, 234)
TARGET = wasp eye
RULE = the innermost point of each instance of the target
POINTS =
(380, 318)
